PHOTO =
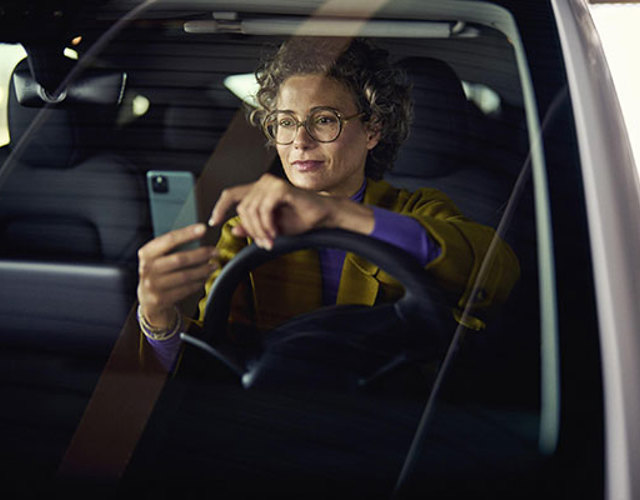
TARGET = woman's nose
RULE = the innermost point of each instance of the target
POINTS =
(302, 138)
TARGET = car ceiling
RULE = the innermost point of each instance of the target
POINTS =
(46, 27)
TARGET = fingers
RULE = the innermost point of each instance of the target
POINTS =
(271, 206)
(180, 260)
(170, 241)
(166, 281)
(256, 207)
(163, 290)
(176, 269)
(257, 217)
(228, 198)
(166, 278)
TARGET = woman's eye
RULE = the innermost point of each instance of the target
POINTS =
(325, 120)
(285, 123)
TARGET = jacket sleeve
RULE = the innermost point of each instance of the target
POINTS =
(474, 263)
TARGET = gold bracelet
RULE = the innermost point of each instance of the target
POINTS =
(159, 334)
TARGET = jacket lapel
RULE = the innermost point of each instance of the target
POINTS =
(358, 283)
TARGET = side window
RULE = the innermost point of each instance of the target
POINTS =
(10, 55)
(534, 374)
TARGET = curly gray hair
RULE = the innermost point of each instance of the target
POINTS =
(382, 91)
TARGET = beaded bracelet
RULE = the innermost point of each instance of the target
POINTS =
(159, 333)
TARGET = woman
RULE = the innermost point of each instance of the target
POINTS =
(337, 114)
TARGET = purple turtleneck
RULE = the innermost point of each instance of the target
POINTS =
(399, 230)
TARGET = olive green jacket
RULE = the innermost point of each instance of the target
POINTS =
(291, 284)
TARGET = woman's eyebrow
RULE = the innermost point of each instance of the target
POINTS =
(291, 111)
(333, 108)
(311, 110)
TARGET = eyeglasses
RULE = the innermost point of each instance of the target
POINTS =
(322, 124)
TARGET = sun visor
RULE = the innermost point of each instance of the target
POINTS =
(93, 87)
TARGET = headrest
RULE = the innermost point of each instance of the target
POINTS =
(69, 126)
(438, 140)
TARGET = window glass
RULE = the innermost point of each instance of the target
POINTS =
(451, 391)
(11, 54)
(474, 148)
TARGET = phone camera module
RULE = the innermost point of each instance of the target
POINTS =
(160, 184)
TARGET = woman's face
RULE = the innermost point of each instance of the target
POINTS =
(335, 168)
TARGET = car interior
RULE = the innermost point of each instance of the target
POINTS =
(154, 94)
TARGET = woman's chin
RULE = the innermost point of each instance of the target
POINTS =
(307, 181)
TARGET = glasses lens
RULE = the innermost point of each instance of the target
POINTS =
(281, 127)
(324, 125)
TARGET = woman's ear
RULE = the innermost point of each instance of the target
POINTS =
(373, 131)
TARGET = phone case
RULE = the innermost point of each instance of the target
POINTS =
(172, 200)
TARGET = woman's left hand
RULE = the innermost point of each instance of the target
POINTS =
(272, 206)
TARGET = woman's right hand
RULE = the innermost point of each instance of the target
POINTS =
(167, 277)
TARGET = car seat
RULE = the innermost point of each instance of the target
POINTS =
(447, 148)
(67, 197)
(476, 160)
(72, 216)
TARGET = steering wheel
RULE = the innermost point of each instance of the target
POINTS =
(385, 333)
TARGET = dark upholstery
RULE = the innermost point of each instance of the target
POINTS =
(476, 159)
(65, 195)
(72, 216)
(447, 145)
(438, 143)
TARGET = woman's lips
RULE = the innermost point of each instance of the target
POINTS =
(307, 165)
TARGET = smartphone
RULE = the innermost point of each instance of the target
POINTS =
(172, 202)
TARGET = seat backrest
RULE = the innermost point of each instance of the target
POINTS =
(72, 217)
(438, 143)
(444, 146)
(65, 195)
(475, 160)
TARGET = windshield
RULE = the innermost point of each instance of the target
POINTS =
(297, 248)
